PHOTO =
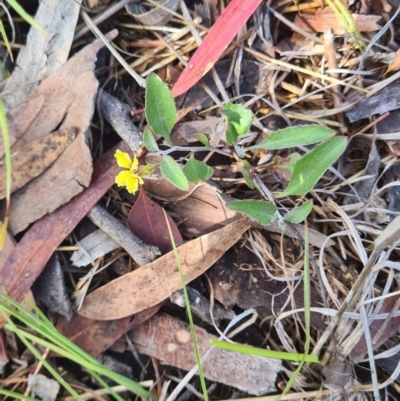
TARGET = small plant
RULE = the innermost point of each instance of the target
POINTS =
(35, 329)
(305, 170)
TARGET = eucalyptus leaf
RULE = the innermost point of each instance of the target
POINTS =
(300, 213)
(196, 170)
(148, 140)
(310, 168)
(290, 137)
(262, 212)
(172, 172)
(160, 106)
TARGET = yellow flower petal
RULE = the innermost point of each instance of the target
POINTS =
(135, 164)
(123, 159)
(146, 170)
(132, 184)
(140, 179)
(122, 178)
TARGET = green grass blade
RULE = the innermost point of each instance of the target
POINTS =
(20, 333)
(6, 41)
(17, 396)
(28, 18)
(7, 156)
(63, 346)
(345, 17)
(307, 319)
(189, 313)
(246, 349)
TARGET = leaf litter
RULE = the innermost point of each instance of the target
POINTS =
(291, 75)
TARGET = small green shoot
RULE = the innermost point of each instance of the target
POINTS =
(299, 214)
(160, 107)
(305, 170)
(203, 139)
(245, 170)
(7, 157)
(239, 121)
(266, 353)
(196, 170)
(262, 212)
(294, 136)
(189, 312)
(310, 168)
(39, 330)
(172, 172)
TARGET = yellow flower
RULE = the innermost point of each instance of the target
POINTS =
(130, 178)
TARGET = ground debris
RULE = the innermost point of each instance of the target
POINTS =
(168, 339)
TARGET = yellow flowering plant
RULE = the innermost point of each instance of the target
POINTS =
(131, 177)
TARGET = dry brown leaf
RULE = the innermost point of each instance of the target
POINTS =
(66, 97)
(184, 133)
(30, 159)
(326, 19)
(155, 282)
(169, 340)
(395, 66)
(204, 210)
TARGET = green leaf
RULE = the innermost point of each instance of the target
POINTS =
(28, 18)
(295, 136)
(238, 116)
(148, 140)
(231, 135)
(310, 168)
(245, 171)
(300, 213)
(171, 171)
(160, 106)
(203, 138)
(196, 170)
(262, 212)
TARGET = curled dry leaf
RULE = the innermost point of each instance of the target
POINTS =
(30, 159)
(147, 221)
(155, 282)
(66, 97)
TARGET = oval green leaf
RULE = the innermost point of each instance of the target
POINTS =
(299, 135)
(171, 171)
(238, 116)
(262, 212)
(196, 170)
(160, 106)
(299, 214)
(148, 140)
(310, 168)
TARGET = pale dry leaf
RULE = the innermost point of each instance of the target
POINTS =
(43, 55)
(156, 281)
(30, 159)
(395, 65)
(169, 340)
(67, 98)
(326, 19)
